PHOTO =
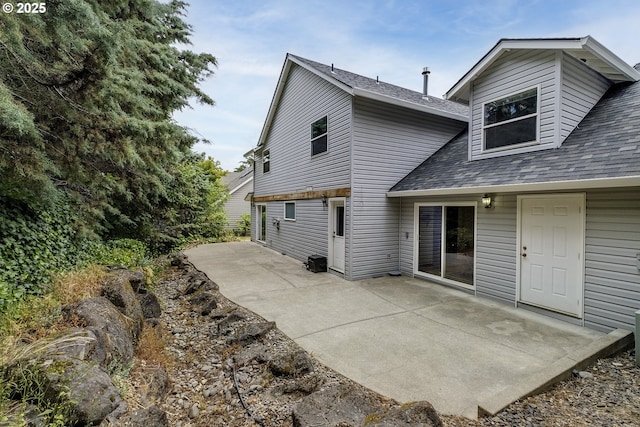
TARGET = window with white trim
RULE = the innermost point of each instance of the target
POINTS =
(511, 120)
(290, 211)
(266, 161)
(319, 136)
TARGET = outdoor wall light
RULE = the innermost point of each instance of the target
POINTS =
(324, 200)
(487, 201)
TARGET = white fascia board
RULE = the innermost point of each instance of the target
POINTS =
(585, 184)
(407, 104)
(595, 48)
(588, 44)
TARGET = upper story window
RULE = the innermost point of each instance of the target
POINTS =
(266, 161)
(319, 136)
(512, 120)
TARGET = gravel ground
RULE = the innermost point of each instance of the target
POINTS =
(216, 382)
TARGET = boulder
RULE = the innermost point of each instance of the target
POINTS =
(150, 305)
(345, 405)
(251, 332)
(291, 364)
(198, 281)
(115, 333)
(147, 417)
(224, 325)
(118, 290)
(83, 390)
(305, 385)
(77, 343)
(204, 302)
(418, 414)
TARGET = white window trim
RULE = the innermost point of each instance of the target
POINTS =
(320, 136)
(522, 144)
(295, 211)
(416, 243)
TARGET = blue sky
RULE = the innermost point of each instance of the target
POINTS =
(392, 39)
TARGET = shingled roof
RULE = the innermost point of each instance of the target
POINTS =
(356, 81)
(604, 150)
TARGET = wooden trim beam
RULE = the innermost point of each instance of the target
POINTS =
(304, 195)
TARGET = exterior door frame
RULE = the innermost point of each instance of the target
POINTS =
(332, 203)
(259, 226)
(416, 243)
(582, 219)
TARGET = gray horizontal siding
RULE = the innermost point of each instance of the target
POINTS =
(612, 242)
(307, 235)
(514, 72)
(582, 88)
(496, 250)
(612, 278)
(495, 243)
(236, 206)
(305, 99)
(388, 143)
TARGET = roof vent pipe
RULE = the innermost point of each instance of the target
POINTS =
(425, 81)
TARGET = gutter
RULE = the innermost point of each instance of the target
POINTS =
(629, 181)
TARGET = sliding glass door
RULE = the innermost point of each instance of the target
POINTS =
(446, 241)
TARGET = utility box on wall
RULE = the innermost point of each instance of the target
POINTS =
(317, 263)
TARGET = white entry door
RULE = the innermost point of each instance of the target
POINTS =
(336, 235)
(551, 252)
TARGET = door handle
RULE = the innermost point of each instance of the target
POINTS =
(523, 255)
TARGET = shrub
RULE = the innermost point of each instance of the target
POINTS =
(35, 242)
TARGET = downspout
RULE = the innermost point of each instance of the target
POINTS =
(399, 236)
(349, 272)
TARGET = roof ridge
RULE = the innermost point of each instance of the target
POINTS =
(377, 86)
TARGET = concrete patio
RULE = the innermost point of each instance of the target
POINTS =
(405, 338)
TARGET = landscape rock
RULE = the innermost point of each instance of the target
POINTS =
(92, 391)
(114, 332)
(150, 305)
(147, 417)
(204, 302)
(251, 332)
(291, 364)
(82, 386)
(305, 385)
(417, 414)
(77, 343)
(344, 405)
(230, 318)
(118, 290)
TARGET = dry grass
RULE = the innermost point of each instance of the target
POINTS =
(151, 347)
(41, 316)
(71, 287)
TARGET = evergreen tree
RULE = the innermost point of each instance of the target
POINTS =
(87, 92)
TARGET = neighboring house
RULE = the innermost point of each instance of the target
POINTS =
(240, 185)
(552, 146)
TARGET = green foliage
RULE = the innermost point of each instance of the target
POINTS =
(244, 225)
(122, 252)
(87, 91)
(88, 147)
(28, 384)
(193, 207)
(34, 244)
